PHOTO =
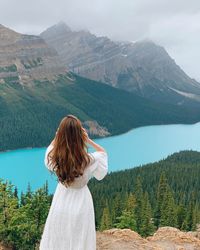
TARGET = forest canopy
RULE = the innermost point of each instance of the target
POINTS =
(144, 198)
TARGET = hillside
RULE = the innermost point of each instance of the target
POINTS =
(37, 90)
(179, 175)
(144, 67)
(34, 111)
(125, 208)
(24, 58)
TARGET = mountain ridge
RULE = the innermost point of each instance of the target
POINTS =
(141, 67)
(25, 58)
(35, 110)
(37, 90)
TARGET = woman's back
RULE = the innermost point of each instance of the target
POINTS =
(71, 220)
(98, 167)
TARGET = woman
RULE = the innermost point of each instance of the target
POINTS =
(70, 224)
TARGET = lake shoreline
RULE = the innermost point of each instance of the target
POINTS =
(135, 148)
(99, 138)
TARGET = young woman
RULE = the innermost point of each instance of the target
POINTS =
(70, 224)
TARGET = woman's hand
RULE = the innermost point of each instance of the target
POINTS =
(53, 141)
(92, 143)
(85, 134)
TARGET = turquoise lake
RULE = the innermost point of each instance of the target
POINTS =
(136, 147)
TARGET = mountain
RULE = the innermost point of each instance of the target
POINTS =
(30, 114)
(25, 58)
(142, 67)
(37, 90)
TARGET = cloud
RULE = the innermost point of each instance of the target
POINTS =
(173, 24)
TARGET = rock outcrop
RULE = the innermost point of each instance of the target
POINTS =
(171, 238)
(166, 238)
(4, 247)
(123, 239)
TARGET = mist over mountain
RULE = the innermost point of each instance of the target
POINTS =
(144, 67)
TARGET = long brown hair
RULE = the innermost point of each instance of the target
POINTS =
(69, 155)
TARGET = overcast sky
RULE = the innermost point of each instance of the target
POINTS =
(174, 24)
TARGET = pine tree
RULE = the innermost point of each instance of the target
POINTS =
(139, 204)
(166, 213)
(29, 192)
(147, 226)
(168, 210)
(22, 199)
(126, 220)
(181, 215)
(195, 217)
(117, 207)
(113, 216)
(31, 218)
(16, 192)
(8, 210)
(188, 223)
(46, 187)
(131, 202)
(124, 201)
(106, 219)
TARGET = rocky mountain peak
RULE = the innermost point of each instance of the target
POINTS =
(142, 67)
(148, 46)
(62, 25)
(25, 58)
(7, 36)
(58, 29)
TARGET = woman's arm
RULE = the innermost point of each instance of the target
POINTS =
(96, 146)
(92, 143)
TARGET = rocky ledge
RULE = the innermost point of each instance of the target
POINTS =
(165, 238)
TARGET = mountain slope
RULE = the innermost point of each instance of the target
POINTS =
(142, 67)
(182, 171)
(174, 166)
(29, 115)
(24, 58)
(36, 91)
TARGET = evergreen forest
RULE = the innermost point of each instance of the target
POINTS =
(143, 199)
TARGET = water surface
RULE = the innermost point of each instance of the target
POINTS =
(136, 147)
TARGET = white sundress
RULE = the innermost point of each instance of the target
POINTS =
(70, 224)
